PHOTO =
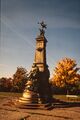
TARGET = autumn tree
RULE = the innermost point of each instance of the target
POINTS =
(65, 74)
(19, 79)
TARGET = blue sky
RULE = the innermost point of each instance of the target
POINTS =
(19, 29)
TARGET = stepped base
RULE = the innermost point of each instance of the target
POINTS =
(29, 97)
(31, 100)
(46, 106)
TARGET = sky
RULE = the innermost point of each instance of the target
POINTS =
(19, 28)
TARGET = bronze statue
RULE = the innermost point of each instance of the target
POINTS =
(43, 26)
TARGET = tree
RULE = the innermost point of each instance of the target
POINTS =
(65, 74)
(19, 79)
(5, 84)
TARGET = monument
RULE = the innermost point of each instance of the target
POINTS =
(37, 92)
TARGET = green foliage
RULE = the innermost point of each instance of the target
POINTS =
(5, 84)
(17, 84)
(19, 79)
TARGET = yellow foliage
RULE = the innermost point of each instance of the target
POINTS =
(65, 73)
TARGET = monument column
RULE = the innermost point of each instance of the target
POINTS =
(40, 61)
(40, 52)
(38, 90)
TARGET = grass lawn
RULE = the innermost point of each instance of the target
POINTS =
(61, 97)
(11, 94)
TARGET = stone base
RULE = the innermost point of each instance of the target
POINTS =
(31, 100)
(46, 106)
(29, 97)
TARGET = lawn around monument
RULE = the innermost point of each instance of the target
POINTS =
(60, 97)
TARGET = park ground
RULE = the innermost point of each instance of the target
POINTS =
(8, 111)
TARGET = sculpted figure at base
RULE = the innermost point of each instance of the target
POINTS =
(33, 76)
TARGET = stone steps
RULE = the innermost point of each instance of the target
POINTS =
(34, 106)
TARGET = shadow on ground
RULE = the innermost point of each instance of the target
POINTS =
(62, 104)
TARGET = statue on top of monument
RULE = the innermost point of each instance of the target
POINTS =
(43, 26)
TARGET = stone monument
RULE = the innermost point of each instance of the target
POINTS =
(38, 90)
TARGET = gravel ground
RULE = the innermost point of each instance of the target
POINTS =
(10, 112)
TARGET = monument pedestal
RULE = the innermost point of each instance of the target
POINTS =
(31, 100)
(29, 97)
